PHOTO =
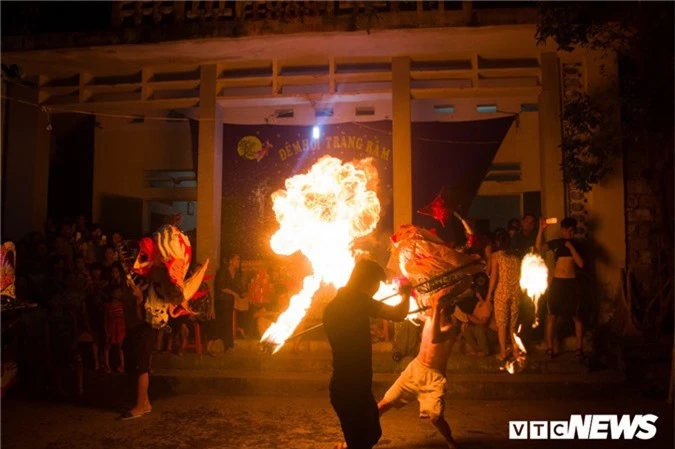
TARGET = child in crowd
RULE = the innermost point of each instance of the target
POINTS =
(109, 257)
(95, 299)
(115, 328)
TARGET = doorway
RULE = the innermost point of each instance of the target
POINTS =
(494, 211)
(182, 214)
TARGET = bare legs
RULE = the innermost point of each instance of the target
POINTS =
(516, 349)
(501, 333)
(120, 368)
(383, 407)
(550, 328)
(142, 400)
(552, 342)
(161, 335)
(439, 422)
(444, 428)
(579, 333)
(106, 357)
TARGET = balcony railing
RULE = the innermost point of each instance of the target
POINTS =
(86, 24)
(129, 13)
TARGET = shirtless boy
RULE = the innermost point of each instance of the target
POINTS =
(424, 378)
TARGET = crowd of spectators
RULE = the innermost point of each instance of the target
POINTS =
(74, 272)
(500, 310)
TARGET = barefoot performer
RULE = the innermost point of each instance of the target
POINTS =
(347, 323)
(424, 378)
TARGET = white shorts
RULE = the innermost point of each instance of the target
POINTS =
(426, 385)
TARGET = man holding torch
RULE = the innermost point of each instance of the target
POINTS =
(347, 324)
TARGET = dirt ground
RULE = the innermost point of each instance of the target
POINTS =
(205, 422)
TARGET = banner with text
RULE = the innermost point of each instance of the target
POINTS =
(257, 159)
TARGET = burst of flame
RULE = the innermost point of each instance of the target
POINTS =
(518, 364)
(320, 214)
(534, 280)
(389, 290)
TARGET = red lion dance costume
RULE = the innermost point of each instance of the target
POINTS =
(164, 261)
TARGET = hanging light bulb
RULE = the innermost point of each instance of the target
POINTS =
(316, 132)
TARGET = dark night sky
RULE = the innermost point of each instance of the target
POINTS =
(21, 18)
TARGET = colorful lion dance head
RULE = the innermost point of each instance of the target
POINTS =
(164, 261)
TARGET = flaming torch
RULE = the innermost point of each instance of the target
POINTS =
(534, 280)
(320, 214)
(517, 364)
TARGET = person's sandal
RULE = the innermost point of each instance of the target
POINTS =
(126, 416)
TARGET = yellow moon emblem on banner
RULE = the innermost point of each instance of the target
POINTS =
(249, 147)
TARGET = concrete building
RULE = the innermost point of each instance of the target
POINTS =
(244, 62)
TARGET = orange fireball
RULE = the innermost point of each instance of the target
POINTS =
(320, 214)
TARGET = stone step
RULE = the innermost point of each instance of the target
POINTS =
(596, 385)
(383, 362)
(648, 365)
(322, 345)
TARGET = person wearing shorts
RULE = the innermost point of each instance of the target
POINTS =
(421, 383)
(137, 346)
(424, 378)
(564, 297)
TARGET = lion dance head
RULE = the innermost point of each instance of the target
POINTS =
(164, 260)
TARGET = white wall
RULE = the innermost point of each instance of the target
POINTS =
(606, 206)
(188, 210)
(124, 151)
(26, 155)
(421, 110)
(521, 145)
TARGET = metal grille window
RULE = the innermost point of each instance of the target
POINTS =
(504, 172)
(170, 178)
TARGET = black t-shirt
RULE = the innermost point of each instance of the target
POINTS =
(347, 324)
(560, 250)
(225, 280)
(520, 241)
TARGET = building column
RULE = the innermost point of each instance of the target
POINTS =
(606, 218)
(401, 134)
(550, 138)
(26, 158)
(209, 171)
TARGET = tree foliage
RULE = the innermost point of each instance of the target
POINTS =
(641, 34)
(590, 141)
